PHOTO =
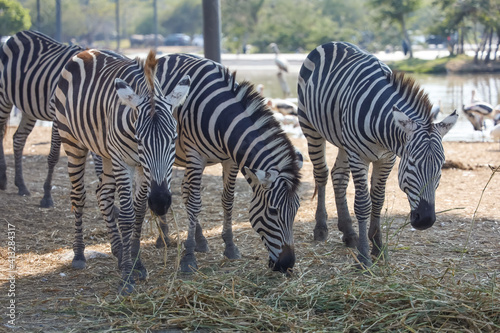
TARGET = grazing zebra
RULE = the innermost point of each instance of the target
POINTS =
(229, 123)
(30, 64)
(138, 135)
(353, 101)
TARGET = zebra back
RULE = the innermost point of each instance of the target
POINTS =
(30, 64)
(222, 120)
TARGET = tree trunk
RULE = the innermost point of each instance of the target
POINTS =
(498, 45)
(462, 41)
(490, 41)
(480, 47)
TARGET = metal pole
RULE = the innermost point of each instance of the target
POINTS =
(212, 29)
(58, 21)
(117, 25)
(38, 17)
(155, 23)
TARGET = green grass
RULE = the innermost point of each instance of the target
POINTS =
(435, 66)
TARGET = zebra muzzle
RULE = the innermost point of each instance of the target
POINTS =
(423, 216)
(285, 261)
(160, 198)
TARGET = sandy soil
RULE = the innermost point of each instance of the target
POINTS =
(46, 284)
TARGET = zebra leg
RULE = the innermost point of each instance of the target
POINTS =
(76, 170)
(98, 172)
(229, 173)
(380, 173)
(163, 239)
(340, 178)
(192, 200)
(25, 127)
(126, 222)
(53, 158)
(140, 207)
(317, 153)
(106, 198)
(5, 109)
(362, 205)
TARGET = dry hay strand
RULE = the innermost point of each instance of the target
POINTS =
(251, 300)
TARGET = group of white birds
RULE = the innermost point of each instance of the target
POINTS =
(478, 111)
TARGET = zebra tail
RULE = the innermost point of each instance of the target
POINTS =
(315, 192)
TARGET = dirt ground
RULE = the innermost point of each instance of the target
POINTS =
(46, 284)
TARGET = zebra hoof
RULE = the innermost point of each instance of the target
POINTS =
(202, 246)
(320, 235)
(46, 202)
(350, 240)
(162, 242)
(379, 254)
(78, 264)
(126, 287)
(23, 191)
(363, 262)
(232, 252)
(188, 264)
(140, 273)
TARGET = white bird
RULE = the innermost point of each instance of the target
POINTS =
(283, 84)
(436, 108)
(281, 62)
(477, 111)
(282, 106)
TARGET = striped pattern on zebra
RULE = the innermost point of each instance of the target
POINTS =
(30, 64)
(350, 99)
(228, 123)
(137, 135)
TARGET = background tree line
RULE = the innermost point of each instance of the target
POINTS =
(295, 25)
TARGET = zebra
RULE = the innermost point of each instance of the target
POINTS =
(30, 64)
(350, 99)
(225, 122)
(138, 135)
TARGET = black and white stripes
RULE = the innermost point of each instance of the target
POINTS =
(139, 135)
(225, 122)
(350, 99)
(30, 65)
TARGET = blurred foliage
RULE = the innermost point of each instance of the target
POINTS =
(13, 17)
(295, 25)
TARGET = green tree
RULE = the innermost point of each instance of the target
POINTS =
(397, 11)
(13, 17)
(239, 21)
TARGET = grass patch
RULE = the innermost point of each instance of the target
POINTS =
(436, 66)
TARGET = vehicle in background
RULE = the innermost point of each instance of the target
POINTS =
(177, 40)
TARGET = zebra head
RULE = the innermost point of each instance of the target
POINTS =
(272, 211)
(420, 167)
(155, 134)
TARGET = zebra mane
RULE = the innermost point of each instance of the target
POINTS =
(149, 66)
(257, 109)
(416, 95)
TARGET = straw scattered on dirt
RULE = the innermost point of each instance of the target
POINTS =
(442, 279)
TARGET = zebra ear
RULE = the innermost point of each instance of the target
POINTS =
(447, 123)
(404, 122)
(180, 92)
(126, 94)
(264, 178)
(300, 158)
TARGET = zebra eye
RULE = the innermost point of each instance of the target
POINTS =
(273, 211)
